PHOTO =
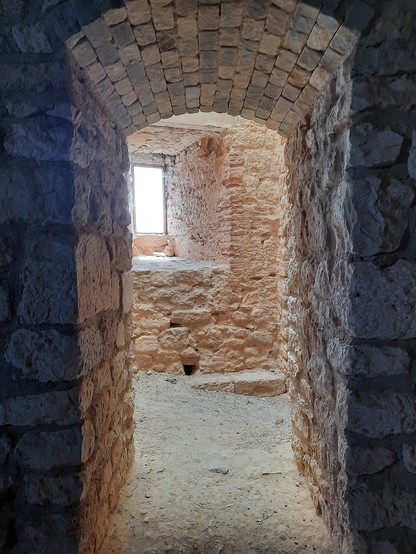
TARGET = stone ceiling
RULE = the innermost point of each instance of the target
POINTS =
(265, 60)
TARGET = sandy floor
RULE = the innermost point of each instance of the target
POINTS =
(214, 473)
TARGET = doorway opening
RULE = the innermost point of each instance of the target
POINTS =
(209, 350)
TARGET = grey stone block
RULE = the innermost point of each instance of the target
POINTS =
(107, 53)
(138, 12)
(208, 17)
(145, 34)
(97, 33)
(123, 34)
(277, 20)
(84, 53)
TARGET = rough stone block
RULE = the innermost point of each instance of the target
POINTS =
(294, 41)
(305, 16)
(320, 38)
(366, 461)
(123, 34)
(162, 18)
(372, 147)
(60, 407)
(286, 60)
(151, 55)
(93, 276)
(61, 490)
(276, 21)
(138, 12)
(379, 414)
(46, 300)
(47, 450)
(41, 138)
(32, 38)
(208, 17)
(269, 44)
(377, 215)
(145, 34)
(231, 14)
(97, 33)
(45, 356)
(107, 53)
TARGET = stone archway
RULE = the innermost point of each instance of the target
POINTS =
(65, 244)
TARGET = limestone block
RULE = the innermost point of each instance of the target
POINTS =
(116, 16)
(191, 317)
(93, 276)
(208, 17)
(231, 15)
(97, 33)
(190, 356)
(382, 301)
(379, 414)
(62, 490)
(146, 344)
(127, 291)
(305, 16)
(276, 20)
(107, 53)
(368, 361)
(47, 450)
(84, 53)
(32, 38)
(378, 215)
(61, 407)
(176, 338)
(123, 34)
(163, 18)
(45, 299)
(366, 461)
(46, 356)
(138, 12)
(145, 34)
(40, 138)
(91, 347)
(371, 147)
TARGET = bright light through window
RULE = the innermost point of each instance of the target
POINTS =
(149, 200)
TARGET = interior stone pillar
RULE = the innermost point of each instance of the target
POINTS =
(65, 295)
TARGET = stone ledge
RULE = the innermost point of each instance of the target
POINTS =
(251, 383)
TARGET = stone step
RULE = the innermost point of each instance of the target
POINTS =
(251, 383)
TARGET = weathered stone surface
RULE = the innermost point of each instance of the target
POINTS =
(378, 215)
(43, 300)
(61, 490)
(382, 301)
(93, 277)
(371, 147)
(366, 461)
(368, 361)
(45, 356)
(46, 450)
(61, 407)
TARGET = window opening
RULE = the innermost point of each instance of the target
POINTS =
(149, 200)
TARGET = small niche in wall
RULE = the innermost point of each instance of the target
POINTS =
(189, 369)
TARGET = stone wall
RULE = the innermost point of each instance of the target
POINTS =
(190, 313)
(227, 202)
(198, 211)
(352, 183)
(65, 414)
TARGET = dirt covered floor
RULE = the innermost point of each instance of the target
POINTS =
(213, 473)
